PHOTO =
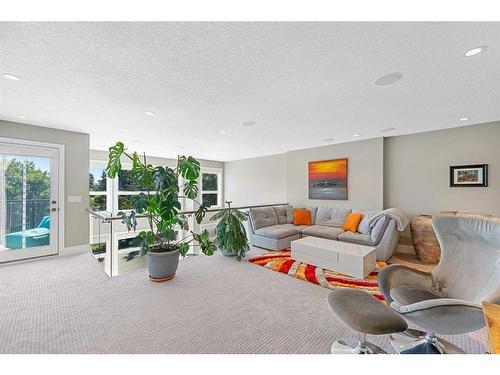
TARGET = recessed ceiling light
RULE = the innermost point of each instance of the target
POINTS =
(388, 130)
(328, 139)
(11, 76)
(465, 118)
(388, 79)
(149, 113)
(223, 131)
(125, 129)
(475, 51)
(357, 135)
(22, 116)
(247, 123)
(283, 147)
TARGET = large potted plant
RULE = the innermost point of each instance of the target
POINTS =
(231, 235)
(161, 205)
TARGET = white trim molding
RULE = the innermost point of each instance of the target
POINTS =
(61, 195)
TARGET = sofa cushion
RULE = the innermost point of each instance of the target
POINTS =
(358, 238)
(372, 239)
(300, 227)
(278, 231)
(331, 217)
(322, 231)
(379, 228)
(364, 227)
(281, 214)
(289, 214)
(263, 217)
(339, 215)
(313, 210)
(323, 215)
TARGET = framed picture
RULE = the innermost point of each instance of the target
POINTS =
(328, 179)
(469, 175)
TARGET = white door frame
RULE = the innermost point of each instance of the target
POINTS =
(60, 188)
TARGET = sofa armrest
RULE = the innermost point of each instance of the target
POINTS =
(431, 303)
(397, 275)
(388, 243)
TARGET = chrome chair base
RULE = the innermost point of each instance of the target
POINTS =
(352, 346)
(413, 341)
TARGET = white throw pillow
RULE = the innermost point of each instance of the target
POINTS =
(364, 227)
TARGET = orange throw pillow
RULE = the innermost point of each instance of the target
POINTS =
(301, 216)
(352, 222)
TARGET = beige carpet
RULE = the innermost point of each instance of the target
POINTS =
(214, 305)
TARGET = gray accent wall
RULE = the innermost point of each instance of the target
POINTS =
(283, 177)
(365, 174)
(417, 170)
(416, 177)
(76, 228)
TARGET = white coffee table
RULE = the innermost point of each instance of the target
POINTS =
(344, 257)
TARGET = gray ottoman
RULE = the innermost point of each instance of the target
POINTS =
(365, 314)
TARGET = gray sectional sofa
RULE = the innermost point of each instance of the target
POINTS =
(272, 228)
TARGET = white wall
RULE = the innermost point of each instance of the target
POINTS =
(365, 174)
(256, 180)
(76, 229)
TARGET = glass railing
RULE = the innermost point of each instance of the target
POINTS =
(117, 249)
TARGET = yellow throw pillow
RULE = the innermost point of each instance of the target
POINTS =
(352, 221)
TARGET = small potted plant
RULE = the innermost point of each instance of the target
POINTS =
(161, 205)
(230, 232)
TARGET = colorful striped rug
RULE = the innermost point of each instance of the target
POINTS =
(282, 261)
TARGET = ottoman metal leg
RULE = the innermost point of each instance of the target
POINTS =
(419, 342)
(352, 346)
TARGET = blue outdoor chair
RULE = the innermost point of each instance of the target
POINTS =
(39, 236)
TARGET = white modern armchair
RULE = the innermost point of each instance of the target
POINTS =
(448, 300)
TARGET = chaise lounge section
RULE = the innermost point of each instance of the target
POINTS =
(272, 228)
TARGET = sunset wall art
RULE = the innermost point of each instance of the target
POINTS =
(328, 179)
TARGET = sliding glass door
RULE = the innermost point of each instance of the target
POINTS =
(29, 207)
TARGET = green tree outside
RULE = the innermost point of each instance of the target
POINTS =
(37, 194)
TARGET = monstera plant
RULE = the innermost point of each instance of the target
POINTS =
(160, 203)
(231, 236)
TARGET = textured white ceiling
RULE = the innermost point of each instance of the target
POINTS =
(299, 82)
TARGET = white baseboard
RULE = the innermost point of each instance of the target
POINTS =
(74, 250)
(405, 249)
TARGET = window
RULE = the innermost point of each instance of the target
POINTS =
(98, 188)
(127, 188)
(117, 194)
(211, 187)
(111, 195)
